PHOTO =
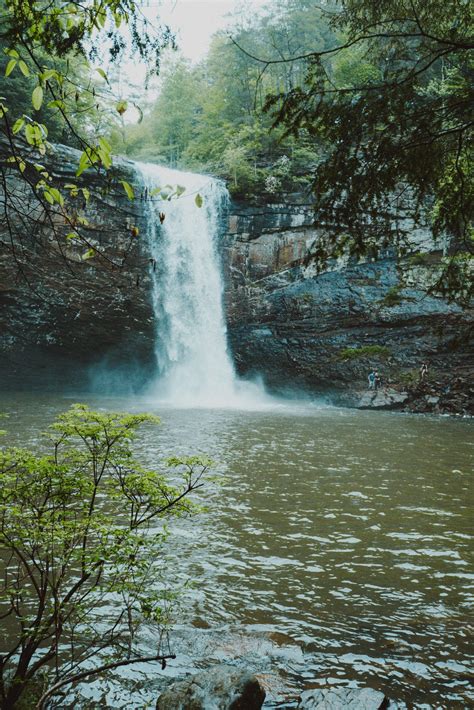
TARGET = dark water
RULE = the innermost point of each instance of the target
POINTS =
(335, 551)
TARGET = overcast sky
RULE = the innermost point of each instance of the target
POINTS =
(194, 22)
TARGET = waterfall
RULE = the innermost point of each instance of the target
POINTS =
(194, 364)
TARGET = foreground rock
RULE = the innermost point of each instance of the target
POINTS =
(450, 394)
(382, 399)
(343, 699)
(220, 688)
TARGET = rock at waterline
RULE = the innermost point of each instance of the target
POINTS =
(220, 688)
(382, 399)
(343, 699)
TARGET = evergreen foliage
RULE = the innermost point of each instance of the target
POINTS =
(210, 117)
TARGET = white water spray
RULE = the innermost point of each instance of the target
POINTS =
(194, 365)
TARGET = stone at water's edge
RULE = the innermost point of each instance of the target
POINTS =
(219, 688)
(386, 398)
(343, 699)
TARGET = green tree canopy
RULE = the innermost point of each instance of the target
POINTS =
(210, 117)
(392, 102)
(54, 87)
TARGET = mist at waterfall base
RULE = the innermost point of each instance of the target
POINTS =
(194, 366)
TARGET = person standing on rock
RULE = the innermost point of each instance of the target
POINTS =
(377, 380)
(371, 379)
(423, 371)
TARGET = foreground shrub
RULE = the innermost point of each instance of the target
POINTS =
(81, 539)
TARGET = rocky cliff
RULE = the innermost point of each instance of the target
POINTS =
(69, 320)
(66, 319)
(324, 332)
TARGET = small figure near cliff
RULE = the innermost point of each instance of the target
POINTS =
(378, 380)
(371, 379)
(423, 371)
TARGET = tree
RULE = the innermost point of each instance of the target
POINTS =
(396, 126)
(209, 117)
(81, 537)
(51, 51)
(174, 114)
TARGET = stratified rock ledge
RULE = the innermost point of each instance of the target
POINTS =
(320, 330)
(219, 688)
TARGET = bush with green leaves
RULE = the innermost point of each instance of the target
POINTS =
(365, 351)
(82, 530)
(53, 87)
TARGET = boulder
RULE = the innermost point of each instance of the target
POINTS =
(382, 399)
(219, 688)
(343, 699)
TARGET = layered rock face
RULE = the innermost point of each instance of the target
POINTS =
(324, 332)
(67, 320)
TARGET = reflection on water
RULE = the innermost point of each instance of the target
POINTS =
(335, 551)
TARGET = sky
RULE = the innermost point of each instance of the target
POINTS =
(195, 21)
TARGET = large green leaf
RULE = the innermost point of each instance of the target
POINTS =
(18, 125)
(84, 163)
(10, 67)
(37, 98)
(121, 106)
(128, 189)
(24, 68)
(89, 254)
(30, 134)
(102, 73)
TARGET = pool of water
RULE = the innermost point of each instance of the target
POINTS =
(335, 550)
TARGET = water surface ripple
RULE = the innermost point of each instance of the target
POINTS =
(335, 551)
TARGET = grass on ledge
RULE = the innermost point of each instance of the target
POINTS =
(381, 351)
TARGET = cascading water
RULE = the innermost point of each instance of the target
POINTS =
(194, 365)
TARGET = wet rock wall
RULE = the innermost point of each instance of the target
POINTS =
(323, 332)
(65, 320)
